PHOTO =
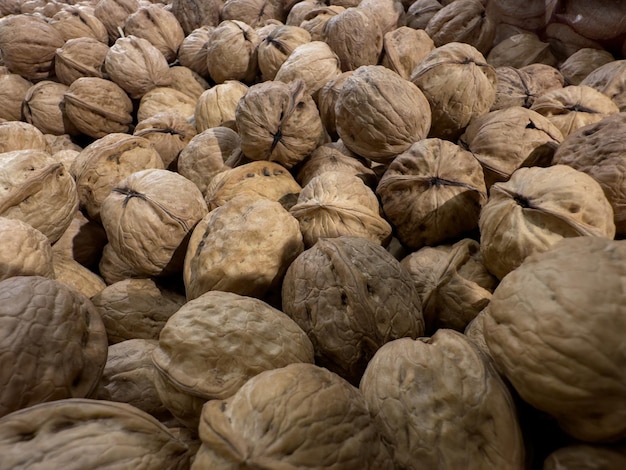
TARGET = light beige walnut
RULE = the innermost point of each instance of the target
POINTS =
(189, 82)
(158, 25)
(404, 48)
(515, 88)
(254, 12)
(75, 275)
(193, 15)
(78, 21)
(13, 89)
(216, 106)
(520, 50)
(231, 52)
(274, 49)
(610, 79)
(546, 77)
(586, 457)
(165, 99)
(43, 108)
(25, 250)
(18, 135)
(298, 12)
(428, 419)
(113, 14)
(555, 327)
(536, 208)
(192, 51)
(387, 13)
(215, 343)
(80, 57)
(419, 13)
(315, 20)
(113, 269)
(300, 415)
(582, 62)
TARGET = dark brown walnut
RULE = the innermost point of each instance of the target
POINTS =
(231, 52)
(113, 269)
(260, 179)
(327, 98)
(466, 21)
(510, 138)
(43, 108)
(113, 14)
(123, 435)
(555, 328)
(75, 275)
(404, 48)
(136, 66)
(157, 25)
(25, 250)
(206, 153)
(459, 85)
(351, 296)
(165, 99)
(129, 377)
(565, 41)
(192, 51)
(80, 57)
(355, 36)
(148, 217)
(189, 82)
(13, 89)
(315, 20)
(28, 44)
(520, 50)
(603, 20)
(314, 62)
(73, 21)
(582, 62)
(432, 193)
(574, 106)
(379, 114)
(169, 134)
(328, 158)
(419, 13)
(254, 12)
(515, 88)
(610, 79)
(535, 209)
(428, 419)
(546, 77)
(276, 419)
(244, 246)
(279, 122)
(217, 105)
(98, 107)
(531, 15)
(53, 343)
(136, 308)
(215, 343)
(586, 457)
(194, 14)
(38, 190)
(597, 149)
(335, 204)
(105, 162)
(83, 241)
(453, 283)
(274, 49)
(18, 135)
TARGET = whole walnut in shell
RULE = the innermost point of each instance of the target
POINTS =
(13, 89)
(166, 99)
(80, 57)
(432, 193)
(53, 341)
(18, 135)
(515, 88)
(148, 217)
(213, 344)
(428, 420)
(38, 190)
(530, 15)
(123, 435)
(231, 52)
(520, 50)
(334, 204)
(75, 275)
(216, 106)
(189, 82)
(193, 14)
(453, 283)
(279, 122)
(419, 13)
(113, 14)
(73, 21)
(602, 20)
(275, 420)
(535, 209)
(274, 49)
(351, 296)
(192, 51)
(404, 48)
(43, 108)
(396, 113)
(244, 246)
(315, 20)
(25, 250)
(610, 79)
(253, 12)
(159, 26)
(586, 457)
(565, 41)
(555, 327)
(582, 62)
(113, 269)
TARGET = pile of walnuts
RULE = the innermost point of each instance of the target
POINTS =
(326, 234)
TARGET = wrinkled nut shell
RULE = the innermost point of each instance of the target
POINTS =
(25, 250)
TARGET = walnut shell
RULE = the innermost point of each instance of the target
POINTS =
(546, 77)
(38, 190)
(327, 98)
(124, 435)
(137, 66)
(80, 57)
(586, 457)
(419, 13)
(98, 107)
(74, 274)
(302, 8)
(453, 283)
(597, 149)
(244, 246)
(520, 50)
(217, 105)
(459, 85)
(386, 12)
(274, 49)
(610, 79)
(428, 420)
(189, 82)
(534, 14)
(536, 208)
(43, 108)
(192, 14)
(54, 341)
(113, 14)
(566, 308)
(515, 88)
(213, 344)
(603, 20)
(192, 51)
(315, 20)
(253, 12)
(25, 250)
(17, 135)
(396, 113)
(73, 21)
(159, 26)
(279, 122)
(136, 308)
(231, 52)
(350, 296)
(432, 193)
(165, 99)
(105, 162)
(113, 269)
(404, 48)
(148, 217)
(582, 62)
(565, 41)
(275, 420)
(13, 89)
